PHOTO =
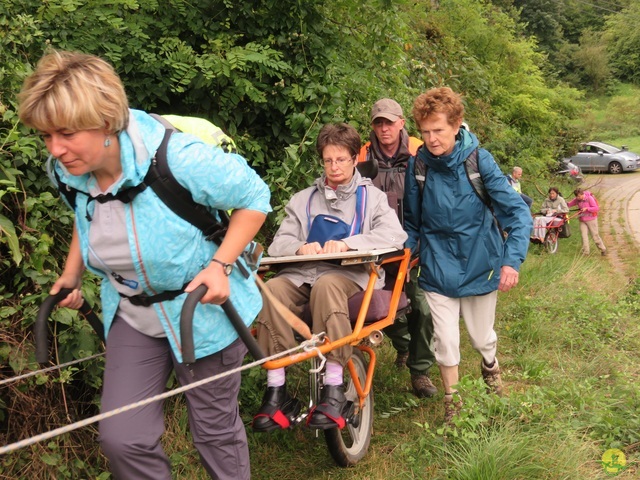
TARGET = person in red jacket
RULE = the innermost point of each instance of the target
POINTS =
(588, 217)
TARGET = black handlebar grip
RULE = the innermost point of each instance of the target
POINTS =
(186, 326)
(41, 328)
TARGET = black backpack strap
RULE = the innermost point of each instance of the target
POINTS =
(144, 300)
(125, 196)
(419, 170)
(472, 169)
(179, 199)
(68, 192)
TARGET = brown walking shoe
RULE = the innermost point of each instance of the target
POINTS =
(422, 385)
(452, 407)
(492, 377)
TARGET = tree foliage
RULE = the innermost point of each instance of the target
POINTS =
(624, 43)
(570, 33)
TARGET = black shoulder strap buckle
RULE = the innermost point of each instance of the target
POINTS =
(144, 300)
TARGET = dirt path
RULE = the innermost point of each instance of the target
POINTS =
(619, 198)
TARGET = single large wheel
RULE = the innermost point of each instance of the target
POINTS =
(615, 167)
(349, 445)
(551, 240)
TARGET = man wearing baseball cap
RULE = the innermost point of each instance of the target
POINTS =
(384, 159)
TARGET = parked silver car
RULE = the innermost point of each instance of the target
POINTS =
(602, 157)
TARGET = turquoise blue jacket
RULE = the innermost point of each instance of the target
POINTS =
(461, 248)
(168, 251)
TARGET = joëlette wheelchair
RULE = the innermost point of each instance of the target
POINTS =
(370, 311)
(557, 227)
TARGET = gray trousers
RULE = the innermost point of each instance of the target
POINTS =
(138, 367)
(591, 227)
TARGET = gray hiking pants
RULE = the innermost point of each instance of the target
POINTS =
(138, 367)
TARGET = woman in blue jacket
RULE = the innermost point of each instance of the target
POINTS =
(464, 255)
(102, 147)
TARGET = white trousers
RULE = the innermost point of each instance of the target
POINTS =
(479, 314)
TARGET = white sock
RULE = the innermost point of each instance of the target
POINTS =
(333, 374)
(275, 377)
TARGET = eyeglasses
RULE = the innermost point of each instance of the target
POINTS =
(341, 162)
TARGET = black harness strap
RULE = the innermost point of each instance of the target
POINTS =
(178, 198)
(144, 300)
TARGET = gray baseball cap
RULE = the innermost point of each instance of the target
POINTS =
(386, 108)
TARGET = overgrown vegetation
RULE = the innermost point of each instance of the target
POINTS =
(271, 72)
(590, 45)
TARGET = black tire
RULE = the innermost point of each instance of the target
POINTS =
(615, 167)
(351, 444)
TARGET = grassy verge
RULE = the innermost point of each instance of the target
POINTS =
(614, 118)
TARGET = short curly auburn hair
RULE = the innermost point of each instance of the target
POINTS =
(439, 100)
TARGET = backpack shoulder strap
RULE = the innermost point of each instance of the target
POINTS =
(472, 168)
(419, 170)
(165, 123)
(179, 199)
(313, 192)
(357, 226)
(65, 190)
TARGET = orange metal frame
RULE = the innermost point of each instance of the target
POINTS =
(360, 330)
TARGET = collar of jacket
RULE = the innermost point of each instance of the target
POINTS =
(346, 189)
(466, 142)
(400, 158)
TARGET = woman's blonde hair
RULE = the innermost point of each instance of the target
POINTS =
(73, 91)
(439, 100)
